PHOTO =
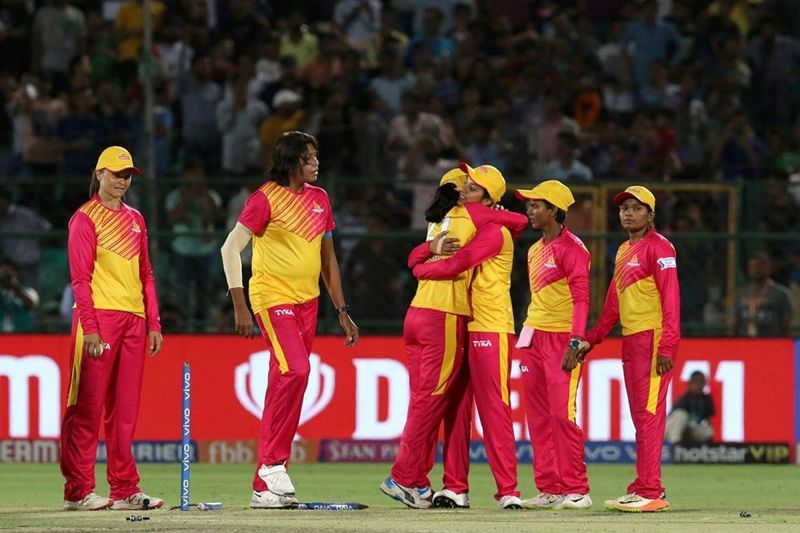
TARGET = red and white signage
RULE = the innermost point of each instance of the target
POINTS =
(362, 392)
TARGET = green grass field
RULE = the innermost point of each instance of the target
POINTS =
(704, 498)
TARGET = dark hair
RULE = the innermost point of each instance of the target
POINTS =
(94, 184)
(561, 215)
(445, 199)
(697, 373)
(288, 154)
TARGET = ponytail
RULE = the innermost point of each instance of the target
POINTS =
(94, 184)
(445, 199)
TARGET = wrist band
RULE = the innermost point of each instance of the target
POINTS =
(343, 309)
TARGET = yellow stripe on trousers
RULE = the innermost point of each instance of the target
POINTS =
(450, 344)
(277, 350)
(655, 379)
(504, 355)
(574, 378)
(77, 358)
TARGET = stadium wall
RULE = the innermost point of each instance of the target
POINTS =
(361, 393)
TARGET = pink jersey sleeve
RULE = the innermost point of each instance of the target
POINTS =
(82, 247)
(257, 212)
(148, 282)
(608, 317)
(575, 261)
(419, 254)
(665, 271)
(487, 243)
(481, 214)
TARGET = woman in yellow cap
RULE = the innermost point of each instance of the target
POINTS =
(115, 322)
(434, 332)
(644, 296)
(558, 271)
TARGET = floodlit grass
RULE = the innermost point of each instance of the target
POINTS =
(704, 498)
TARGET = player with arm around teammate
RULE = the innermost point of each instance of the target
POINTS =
(115, 323)
(290, 223)
(558, 272)
(490, 333)
(644, 296)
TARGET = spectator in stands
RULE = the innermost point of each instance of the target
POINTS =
(738, 152)
(193, 210)
(566, 166)
(288, 115)
(431, 37)
(17, 300)
(763, 306)
(25, 251)
(359, 20)
(651, 39)
(388, 38)
(298, 41)
(690, 419)
(392, 81)
(545, 129)
(129, 31)
(82, 133)
(199, 97)
(485, 145)
(289, 78)
(59, 36)
(409, 126)
(239, 117)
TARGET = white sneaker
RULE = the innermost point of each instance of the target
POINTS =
(417, 498)
(90, 502)
(269, 500)
(447, 499)
(576, 501)
(277, 480)
(137, 502)
(510, 501)
(633, 503)
(544, 500)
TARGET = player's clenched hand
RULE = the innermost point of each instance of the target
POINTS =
(154, 341)
(443, 245)
(244, 322)
(663, 364)
(350, 329)
(583, 348)
(93, 344)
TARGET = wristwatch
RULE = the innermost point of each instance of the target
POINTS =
(574, 343)
(343, 309)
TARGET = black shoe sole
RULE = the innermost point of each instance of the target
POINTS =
(443, 502)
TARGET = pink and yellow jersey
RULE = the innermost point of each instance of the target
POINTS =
(558, 273)
(448, 295)
(490, 255)
(109, 264)
(644, 293)
(288, 229)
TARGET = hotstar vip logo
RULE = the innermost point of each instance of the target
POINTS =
(251, 385)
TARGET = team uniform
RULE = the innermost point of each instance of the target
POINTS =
(558, 272)
(115, 296)
(434, 332)
(645, 297)
(490, 335)
(288, 229)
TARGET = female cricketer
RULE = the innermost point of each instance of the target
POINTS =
(291, 225)
(490, 329)
(558, 272)
(645, 297)
(434, 332)
(115, 321)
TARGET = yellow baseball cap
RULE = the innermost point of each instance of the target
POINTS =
(552, 191)
(488, 177)
(642, 194)
(456, 176)
(116, 158)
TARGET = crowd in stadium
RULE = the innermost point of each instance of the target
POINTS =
(397, 92)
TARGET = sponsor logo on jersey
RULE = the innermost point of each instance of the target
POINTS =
(634, 262)
(667, 262)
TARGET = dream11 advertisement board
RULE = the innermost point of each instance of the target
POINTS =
(362, 392)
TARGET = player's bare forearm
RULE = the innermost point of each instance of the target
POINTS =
(331, 274)
(243, 318)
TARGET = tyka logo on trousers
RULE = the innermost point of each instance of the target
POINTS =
(482, 343)
(284, 312)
